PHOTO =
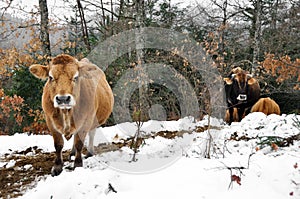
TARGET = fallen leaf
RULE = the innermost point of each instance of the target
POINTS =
(296, 165)
(236, 179)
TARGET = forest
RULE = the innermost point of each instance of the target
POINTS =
(260, 36)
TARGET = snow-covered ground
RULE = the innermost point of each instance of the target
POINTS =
(243, 162)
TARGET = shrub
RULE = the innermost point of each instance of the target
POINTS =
(11, 117)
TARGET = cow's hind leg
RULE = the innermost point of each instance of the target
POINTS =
(91, 143)
(73, 151)
(58, 162)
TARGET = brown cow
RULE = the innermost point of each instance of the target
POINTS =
(266, 106)
(76, 99)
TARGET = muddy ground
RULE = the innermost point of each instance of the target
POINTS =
(32, 164)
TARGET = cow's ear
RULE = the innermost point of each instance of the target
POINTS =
(39, 71)
(252, 81)
(227, 80)
(86, 68)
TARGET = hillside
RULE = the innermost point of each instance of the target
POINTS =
(256, 158)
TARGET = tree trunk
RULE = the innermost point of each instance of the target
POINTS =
(257, 34)
(84, 29)
(44, 29)
(121, 11)
(223, 28)
(103, 13)
(142, 76)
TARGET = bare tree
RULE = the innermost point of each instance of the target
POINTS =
(142, 76)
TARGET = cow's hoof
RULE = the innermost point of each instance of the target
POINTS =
(89, 154)
(78, 163)
(56, 170)
(71, 155)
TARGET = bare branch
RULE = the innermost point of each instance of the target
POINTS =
(6, 8)
(102, 8)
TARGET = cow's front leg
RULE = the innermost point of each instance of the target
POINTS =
(230, 115)
(241, 112)
(58, 162)
(78, 143)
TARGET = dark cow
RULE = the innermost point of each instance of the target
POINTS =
(242, 92)
(235, 116)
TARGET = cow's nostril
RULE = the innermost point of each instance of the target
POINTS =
(68, 100)
(63, 99)
(58, 100)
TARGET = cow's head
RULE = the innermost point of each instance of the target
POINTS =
(237, 86)
(64, 75)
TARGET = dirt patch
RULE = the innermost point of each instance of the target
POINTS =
(23, 169)
(28, 166)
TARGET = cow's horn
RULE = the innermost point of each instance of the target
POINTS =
(233, 76)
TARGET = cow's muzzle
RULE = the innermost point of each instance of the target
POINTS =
(64, 101)
(242, 97)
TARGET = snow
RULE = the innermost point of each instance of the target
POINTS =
(126, 130)
(20, 142)
(10, 164)
(177, 168)
(27, 166)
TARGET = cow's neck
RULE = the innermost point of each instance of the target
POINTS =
(68, 127)
(66, 119)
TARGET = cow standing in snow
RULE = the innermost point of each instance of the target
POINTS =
(76, 99)
(242, 92)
